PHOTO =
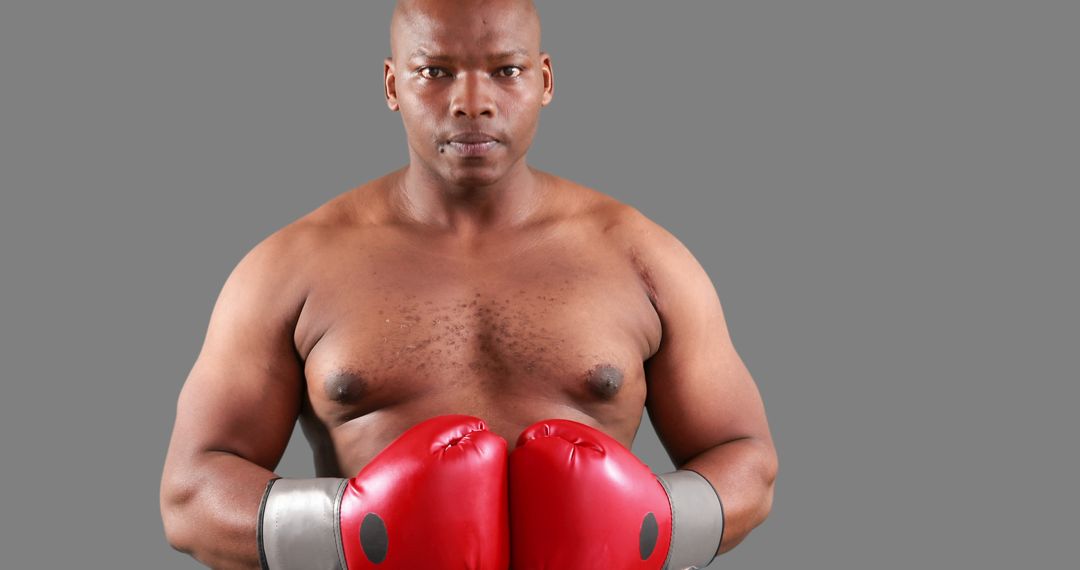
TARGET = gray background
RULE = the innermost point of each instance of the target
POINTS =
(884, 193)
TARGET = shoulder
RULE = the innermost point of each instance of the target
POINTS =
(616, 220)
(621, 222)
(269, 278)
(630, 225)
(668, 269)
(297, 245)
(271, 282)
(644, 239)
(276, 272)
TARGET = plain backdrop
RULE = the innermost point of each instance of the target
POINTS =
(885, 195)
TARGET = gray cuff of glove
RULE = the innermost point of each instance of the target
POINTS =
(697, 520)
(298, 524)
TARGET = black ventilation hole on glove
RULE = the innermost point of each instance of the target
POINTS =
(373, 538)
(650, 531)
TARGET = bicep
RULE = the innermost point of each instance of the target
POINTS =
(700, 393)
(243, 393)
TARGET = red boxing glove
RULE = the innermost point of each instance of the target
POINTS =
(580, 500)
(436, 497)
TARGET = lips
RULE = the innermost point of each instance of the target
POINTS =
(475, 137)
(472, 144)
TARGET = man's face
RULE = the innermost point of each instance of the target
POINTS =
(462, 68)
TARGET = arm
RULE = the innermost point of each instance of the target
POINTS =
(704, 405)
(235, 412)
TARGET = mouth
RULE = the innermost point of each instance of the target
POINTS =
(472, 143)
(473, 137)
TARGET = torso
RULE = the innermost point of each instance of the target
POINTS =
(552, 321)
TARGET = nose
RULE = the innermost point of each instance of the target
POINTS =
(472, 97)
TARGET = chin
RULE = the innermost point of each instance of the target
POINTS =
(475, 176)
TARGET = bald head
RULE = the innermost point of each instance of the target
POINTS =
(415, 20)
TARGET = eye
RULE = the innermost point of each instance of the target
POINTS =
(431, 72)
(510, 71)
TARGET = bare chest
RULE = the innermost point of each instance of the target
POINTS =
(392, 335)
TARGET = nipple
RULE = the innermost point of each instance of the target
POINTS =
(604, 381)
(344, 386)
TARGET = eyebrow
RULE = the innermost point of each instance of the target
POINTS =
(421, 52)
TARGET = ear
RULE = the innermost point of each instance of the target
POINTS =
(390, 84)
(549, 78)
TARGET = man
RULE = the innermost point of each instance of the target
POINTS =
(486, 298)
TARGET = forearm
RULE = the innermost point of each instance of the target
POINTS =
(211, 510)
(742, 472)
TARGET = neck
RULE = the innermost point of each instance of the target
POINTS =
(421, 197)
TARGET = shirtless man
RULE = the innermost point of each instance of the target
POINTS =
(467, 283)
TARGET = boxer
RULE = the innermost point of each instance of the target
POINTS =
(467, 283)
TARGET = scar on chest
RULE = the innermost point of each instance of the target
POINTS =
(604, 381)
(345, 386)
